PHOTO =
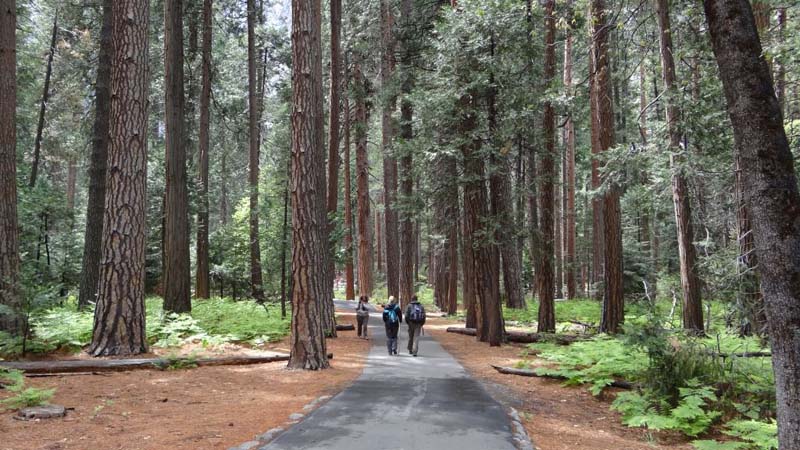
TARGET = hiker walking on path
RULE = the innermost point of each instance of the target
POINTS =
(415, 318)
(362, 316)
(392, 316)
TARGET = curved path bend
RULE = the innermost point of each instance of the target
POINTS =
(402, 402)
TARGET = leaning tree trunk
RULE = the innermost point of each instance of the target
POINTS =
(770, 186)
(9, 234)
(177, 295)
(203, 285)
(37, 143)
(690, 283)
(97, 165)
(119, 318)
(362, 183)
(390, 231)
(544, 279)
(309, 216)
(256, 277)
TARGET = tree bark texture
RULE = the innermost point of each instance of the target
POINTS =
(485, 257)
(467, 258)
(177, 295)
(613, 297)
(771, 192)
(334, 129)
(93, 238)
(119, 318)
(256, 277)
(349, 283)
(203, 285)
(570, 262)
(9, 228)
(37, 143)
(597, 202)
(546, 175)
(390, 229)
(501, 205)
(309, 216)
(444, 205)
(408, 238)
(362, 183)
(690, 283)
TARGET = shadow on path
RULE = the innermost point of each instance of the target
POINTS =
(402, 402)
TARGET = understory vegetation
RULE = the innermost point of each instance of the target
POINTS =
(212, 322)
(700, 386)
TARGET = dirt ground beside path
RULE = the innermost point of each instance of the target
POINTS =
(202, 408)
(556, 417)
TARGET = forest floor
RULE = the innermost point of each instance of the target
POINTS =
(200, 408)
(556, 417)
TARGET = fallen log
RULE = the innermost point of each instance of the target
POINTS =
(526, 338)
(121, 365)
(345, 327)
(622, 384)
(744, 355)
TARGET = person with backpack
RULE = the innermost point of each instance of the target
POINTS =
(415, 318)
(392, 316)
(362, 316)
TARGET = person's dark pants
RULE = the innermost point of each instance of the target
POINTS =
(414, 330)
(391, 336)
(362, 325)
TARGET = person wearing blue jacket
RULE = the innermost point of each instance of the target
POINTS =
(392, 316)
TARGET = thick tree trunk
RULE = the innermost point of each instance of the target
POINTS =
(177, 295)
(544, 279)
(485, 268)
(770, 186)
(408, 238)
(309, 217)
(390, 231)
(119, 318)
(9, 230)
(333, 136)
(349, 278)
(37, 143)
(256, 277)
(570, 262)
(501, 205)
(93, 238)
(613, 298)
(203, 285)
(362, 183)
(690, 283)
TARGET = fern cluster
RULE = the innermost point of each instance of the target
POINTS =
(14, 382)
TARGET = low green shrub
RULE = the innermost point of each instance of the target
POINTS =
(23, 397)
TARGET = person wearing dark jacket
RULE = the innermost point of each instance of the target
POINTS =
(392, 316)
(415, 318)
(362, 316)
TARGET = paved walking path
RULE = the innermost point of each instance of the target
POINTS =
(402, 402)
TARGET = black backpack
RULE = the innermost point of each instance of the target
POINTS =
(416, 314)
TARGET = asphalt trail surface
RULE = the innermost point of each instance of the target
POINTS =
(428, 402)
